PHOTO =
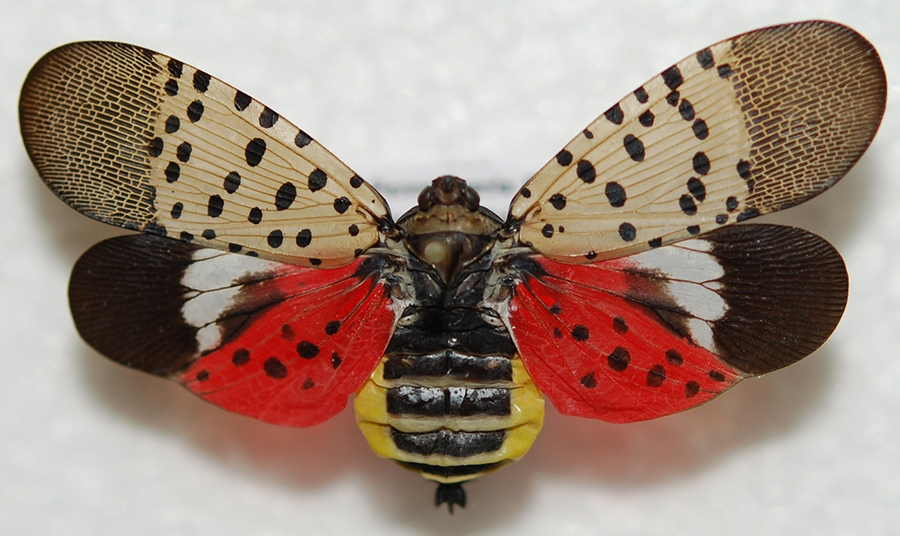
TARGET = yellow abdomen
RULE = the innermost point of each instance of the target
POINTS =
(449, 416)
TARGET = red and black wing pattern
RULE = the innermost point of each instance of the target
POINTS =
(282, 343)
(659, 332)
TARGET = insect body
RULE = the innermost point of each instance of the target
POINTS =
(271, 280)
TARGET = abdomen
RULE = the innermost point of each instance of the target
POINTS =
(450, 398)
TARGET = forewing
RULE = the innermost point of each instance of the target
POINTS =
(140, 140)
(748, 126)
(658, 332)
(282, 343)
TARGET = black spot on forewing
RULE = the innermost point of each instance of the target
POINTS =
(201, 81)
(634, 147)
(705, 58)
(614, 115)
(256, 149)
(267, 117)
(241, 101)
(317, 180)
(672, 77)
(564, 158)
(275, 238)
(615, 194)
(285, 196)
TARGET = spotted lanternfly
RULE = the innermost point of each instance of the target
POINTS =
(272, 280)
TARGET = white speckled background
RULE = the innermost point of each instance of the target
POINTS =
(404, 91)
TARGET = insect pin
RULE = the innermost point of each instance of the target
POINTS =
(271, 280)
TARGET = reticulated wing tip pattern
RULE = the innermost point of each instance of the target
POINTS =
(751, 125)
(143, 141)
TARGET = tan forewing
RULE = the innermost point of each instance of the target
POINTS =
(137, 139)
(748, 126)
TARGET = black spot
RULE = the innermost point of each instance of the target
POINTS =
(215, 206)
(307, 350)
(332, 327)
(588, 134)
(619, 325)
(275, 369)
(208, 234)
(656, 376)
(641, 95)
(619, 359)
(256, 149)
(558, 201)
(357, 252)
(697, 188)
(232, 182)
(235, 248)
(686, 109)
(240, 357)
(674, 358)
(241, 101)
(586, 171)
(725, 71)
(693, 229)
(589, 380)
(201, 81)
(287, 332)
(561, 229)
(564, 158)
(743, 169)
(672, 77)
(195, 111)
(615, 194)
(171, 87)
(655, 242)
(672, 98)
(691, 389)
(341, 204)
(304, 237)
(705, 58)
(557, 333)
(186, 236)
(275, 238)
(614, 115)
(335, 360)
(647, 118)
(555, 309)
(627, 232)
(267, 117)
(731, 204)
(252, 254)
(634, 147)
(317, 180)
(302, 139)
(747, 214)
(526, 193)
(721, 219)
(202, 376)
(716, 376)
(581, 333)
(314, 261)
(701, 131)
(353, 230)
(155, 147)
(547, 231)
(172, 124)
(255, 215)
(176, 210)
(175, 67)
(173, 171)
(285, 196)
(356, 181)
(307, 384)
(183, 151)
(701, 163)
(591, 255)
